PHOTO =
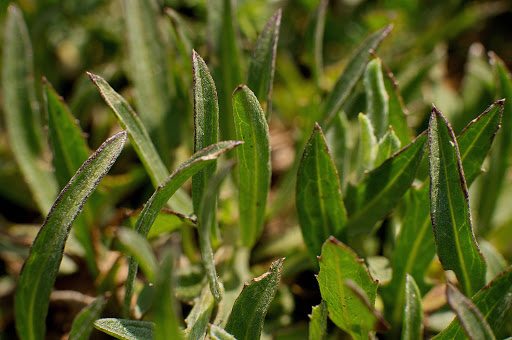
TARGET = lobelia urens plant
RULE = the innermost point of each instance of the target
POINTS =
(384, 213)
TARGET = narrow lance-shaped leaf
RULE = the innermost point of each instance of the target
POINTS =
(469, 316)
(261, 69)
(206, 123)
(149, 70)
(377, 98)
(347, 310)
(138, 135)
(353, 72)
(83, 323)
(494, 302)
(337, 137)
(318, 322)
(164, 316)
(40, 269)
(126, 329)
(198, 318)
(318, 41)
(70, 150)
(22, 116)
(415, 245)
(449, 207)
(217, 333)
(367, 144)
(137, 247)
(388, 145)
(383, 187)
(253, 163)
(318, 195)
(164, 191)
(494, 178)
(412, 327)
(248, 313)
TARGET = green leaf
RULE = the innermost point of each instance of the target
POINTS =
(198, 318)
(412, 327)
(496, 263)
(253, 163)
(167, 221)
(318, 322)
(415, 244)
(248, 313)
(70, 150)
(353, 72)
(22, 117)
(494, 302)
(221, 21)
(206, 123)
(166, 323)
(367, 144)
(383, 187)
(318, 196)
(149, 69)
(217, 333)
(388, 145)
(347, 310)
(261, 69)
(139, 137)
(468, 314)
(494, 179)
(126, 329)
(337, 139)
(318, 41)
(449, 207)
(165, 191)
(139, 249)
(397, 111)
(83, 323)
(207, 209)
(377, 99)
(40, 269)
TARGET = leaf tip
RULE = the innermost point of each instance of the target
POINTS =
(239, 88)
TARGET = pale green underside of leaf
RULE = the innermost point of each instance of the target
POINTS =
(217, 333)
(198, 318)
(318, 195)
(84, 322)
(253, 163)
(367, 145)
(22, 117)
(494, 302)
(353, 72)
(318, 322)
(377, 99)
(40, 269)
(337, 264)
(469, 316)
(412, 327)
(248, 313)
(138, 135)
(138, 248)
(449, 208)
(126, 329)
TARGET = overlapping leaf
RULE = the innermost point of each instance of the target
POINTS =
(83, 323)
(318, 322)
(126, 329)
(377, 99)
(412, 327)
(40, 269)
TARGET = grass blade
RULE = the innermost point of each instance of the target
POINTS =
(377, 99)
(166, 323)
(138, 135)
(495, 177)
(165, 191)
(248, 313)
(449, 207)
(337, 264)
(353, 72)
(126, 329)
(40, 269)
(383, 187)
(149, 71)
(83, 323)
(412, 327)
(206, 123)
(318, 195)
(261, 69)
(253, 163)
(22, 118)
(318, 322)
(494, 302)
(468, 314)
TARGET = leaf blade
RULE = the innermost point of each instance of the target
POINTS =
(33, 293)
(412, 327)
(126, 329)
(83, 323)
